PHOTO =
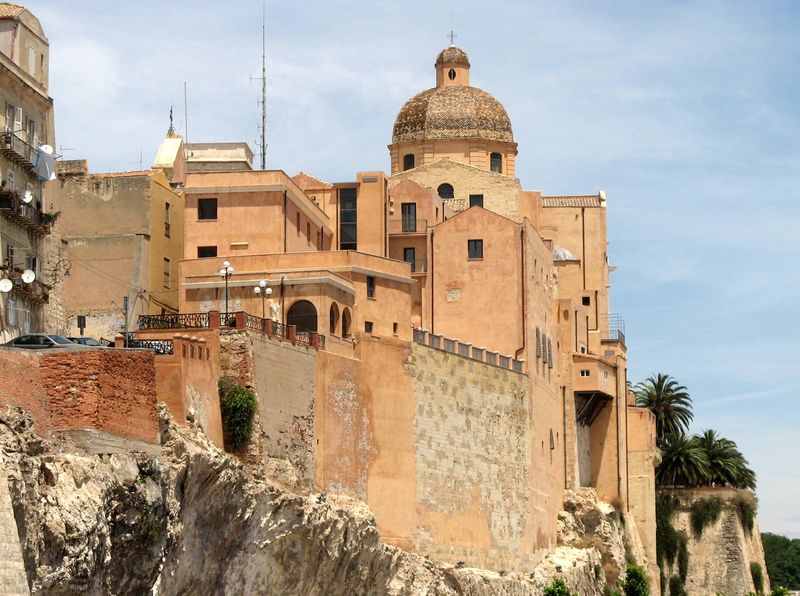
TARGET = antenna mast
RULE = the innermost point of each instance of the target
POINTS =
(264, 87)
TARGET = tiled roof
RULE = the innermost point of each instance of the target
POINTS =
(455, 112)
(573, 201)
(8, 10)
(452, 55)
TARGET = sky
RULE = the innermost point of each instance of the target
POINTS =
(686, 113)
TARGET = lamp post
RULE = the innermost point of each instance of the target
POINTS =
(262, 290)
(226, 273)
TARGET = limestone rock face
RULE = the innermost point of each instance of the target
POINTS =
(197, 521)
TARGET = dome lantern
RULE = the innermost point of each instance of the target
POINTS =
(452, 67)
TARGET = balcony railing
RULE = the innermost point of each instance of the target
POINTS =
(18, 151)
(162, 347)
(418, 266)
(25, 215)
(408, 226)
(189, 320)
(615, 325)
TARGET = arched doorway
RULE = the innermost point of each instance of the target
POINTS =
(346, 323)
(334, 318)
(303, 314)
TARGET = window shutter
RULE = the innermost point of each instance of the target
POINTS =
(17, 120)
(538, 344)
(550, 353)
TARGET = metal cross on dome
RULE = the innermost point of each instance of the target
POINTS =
(452, 37)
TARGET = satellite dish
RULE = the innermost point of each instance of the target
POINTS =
(28, 276)
(27, 197)
(6, 285)
(46, 149)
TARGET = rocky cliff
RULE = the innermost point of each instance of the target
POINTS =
(195, 520)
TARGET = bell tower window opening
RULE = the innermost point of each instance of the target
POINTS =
(446, 191)
(408, 161)
(496, 163)
(451, 74)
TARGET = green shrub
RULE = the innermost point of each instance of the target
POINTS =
(746, 505)
(758, 577)
(780, 591)
(704, 512)
(558, 588)
(237, 405)
(676, 587)
(666, 536)
(635, 583)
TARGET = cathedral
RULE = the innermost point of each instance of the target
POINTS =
(436, 341)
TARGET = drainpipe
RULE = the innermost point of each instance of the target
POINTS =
(433, 294)
(285, 244)
(522, 259)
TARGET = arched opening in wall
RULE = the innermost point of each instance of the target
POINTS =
(302, 314)
(334, 318)
(346, 320)
(408, 161)
(446, 191)
(496, 163)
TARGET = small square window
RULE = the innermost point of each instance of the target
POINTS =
(394, 328)
(203, 252)
(587, 300)
(585, 373)
(475, 249)
(476, 200)
(207, 209)
(368, 326)
(370, 286)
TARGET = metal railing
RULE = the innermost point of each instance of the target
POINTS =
(21, 150)
(417, 266)
(303, 337)
(227, 319)
(190, 320)
(408, 226)
(162, 347)
(24, 214)
(615, 325)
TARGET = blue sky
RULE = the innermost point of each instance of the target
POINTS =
(685, 113)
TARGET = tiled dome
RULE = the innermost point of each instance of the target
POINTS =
(455, 112)
(452, 55)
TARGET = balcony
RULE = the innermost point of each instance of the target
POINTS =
(18, 151)
(408, 226)
(418, 267)
(613, 326)
(35, 293)
(24, 215)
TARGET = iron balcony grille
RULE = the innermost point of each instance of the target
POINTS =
(192, 320)
(162, 347)
(408, 226)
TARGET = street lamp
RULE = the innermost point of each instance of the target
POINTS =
(265, 292)
(226, 273)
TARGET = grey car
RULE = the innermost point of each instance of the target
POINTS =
(86, 341)
(41, 341)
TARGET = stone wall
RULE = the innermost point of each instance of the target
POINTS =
(283, 378)
(473, 457)
(719, 560)
(109, 391)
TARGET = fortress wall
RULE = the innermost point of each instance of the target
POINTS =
(473, 462)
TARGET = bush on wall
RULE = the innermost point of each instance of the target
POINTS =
(237, 405)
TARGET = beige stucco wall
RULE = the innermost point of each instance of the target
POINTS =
(474, 152)
(501, 193)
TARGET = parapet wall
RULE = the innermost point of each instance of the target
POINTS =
(108, 391)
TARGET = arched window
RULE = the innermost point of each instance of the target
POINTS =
(446, 191)
(496, 163)
(334, 318)
(408, 161)
(303, 314)
(346, 320)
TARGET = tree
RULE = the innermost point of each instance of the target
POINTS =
(557, 588)
(726, 464)
(635, 583)
(669, 402)
(683, 461)
(782, 556)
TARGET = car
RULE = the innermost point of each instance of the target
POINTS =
(86, 341)
(42, 341)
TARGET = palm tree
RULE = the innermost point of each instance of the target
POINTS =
(722, 457)
(668, 401)
(683, 461)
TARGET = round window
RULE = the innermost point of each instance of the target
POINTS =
(452, 74)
